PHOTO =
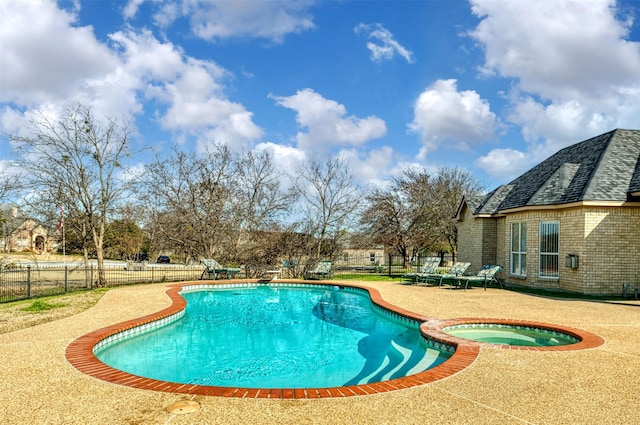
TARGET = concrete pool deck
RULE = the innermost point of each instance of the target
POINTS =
(599, 385)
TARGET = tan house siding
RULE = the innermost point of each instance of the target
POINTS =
(612, 247)
(362, 256)
(470, 237)
(572, 242)
(477, 243)
(489, 245)
(605, 240)
(502, 246)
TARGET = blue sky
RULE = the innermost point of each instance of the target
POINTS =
(492, 86)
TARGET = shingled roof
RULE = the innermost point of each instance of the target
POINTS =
(603, 168)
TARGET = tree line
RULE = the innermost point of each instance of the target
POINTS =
(233, 206)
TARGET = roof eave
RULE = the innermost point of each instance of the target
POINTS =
(572, 205)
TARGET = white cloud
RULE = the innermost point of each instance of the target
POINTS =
(560, 124)
(444, 114)
(219, 19)
(130, 9)
(198, 107)
(48, 63)
(505, 164)
(44, 57)
(147, 57)
(558, 49)
(236, 129)
(327, 122)
(384, 45)
(576, 72)
(132, 172)
(372, 167)
(286, 158)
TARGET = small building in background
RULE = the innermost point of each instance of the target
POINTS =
(23, 234)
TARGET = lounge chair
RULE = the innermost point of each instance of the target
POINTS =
(486, 276)
(216, 271)
(428, 268)
(458, 269)
(322, 270)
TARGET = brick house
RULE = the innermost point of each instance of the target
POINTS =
(570, 223)
(26, 234)
(360, 252)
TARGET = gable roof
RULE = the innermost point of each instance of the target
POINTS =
(603, 168)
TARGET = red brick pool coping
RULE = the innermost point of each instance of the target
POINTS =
(80, 352)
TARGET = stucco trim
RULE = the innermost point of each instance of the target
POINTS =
(610, 204)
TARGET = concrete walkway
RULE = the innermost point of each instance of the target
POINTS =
(595, 386)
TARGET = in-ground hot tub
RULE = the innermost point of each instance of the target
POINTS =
(515, 335)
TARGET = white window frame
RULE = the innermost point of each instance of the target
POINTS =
(519, 253)
(549, 250)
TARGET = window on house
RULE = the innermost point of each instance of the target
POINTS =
(345, 257)
(519, 249)
(549, 248)
(372, 257)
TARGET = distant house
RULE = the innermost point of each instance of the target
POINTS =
(26, 234)
(570, 223)
(360, 253)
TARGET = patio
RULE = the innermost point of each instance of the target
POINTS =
(600, 385)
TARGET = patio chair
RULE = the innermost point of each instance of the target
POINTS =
(214, 270)
(486, 276)
(428, 268)
(322, 270)
(458, 269)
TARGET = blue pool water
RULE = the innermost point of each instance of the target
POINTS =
(276, 337)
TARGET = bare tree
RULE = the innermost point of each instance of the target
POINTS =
(187, 195)
(415, 213)
(329, 198)
(450, 186)
(10, 184)
(400, 216)
(259, 203)
(215, 204)
(75, 161)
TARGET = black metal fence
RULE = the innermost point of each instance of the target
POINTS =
(25, 282)
(30, 281)
(388, 265)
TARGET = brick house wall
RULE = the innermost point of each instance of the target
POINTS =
(28, 235)
(365, 256)
(477, 242)
(606, 240)
(612, 248)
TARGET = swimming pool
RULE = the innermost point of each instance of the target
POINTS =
(81, 352)
(272, 336)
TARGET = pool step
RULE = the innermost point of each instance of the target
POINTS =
(401, 361)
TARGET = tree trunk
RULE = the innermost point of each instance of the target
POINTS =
(98, 237)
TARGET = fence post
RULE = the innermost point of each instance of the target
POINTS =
(91, 277)
(29, 281)
(389, 264)
(66, 278)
